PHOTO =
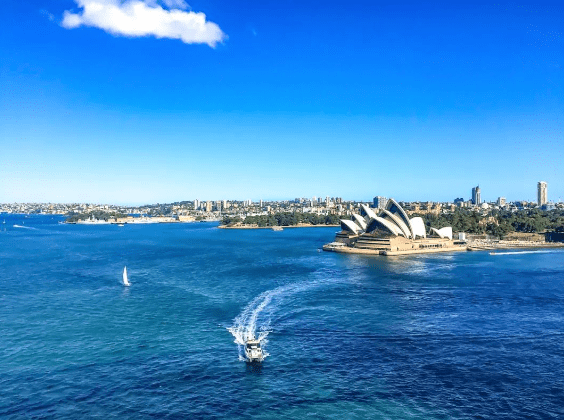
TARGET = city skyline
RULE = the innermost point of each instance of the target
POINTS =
(272, 102)
(378, 201)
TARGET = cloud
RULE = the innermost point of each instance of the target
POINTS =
(175, 4)
(138, 18)
(49, 16)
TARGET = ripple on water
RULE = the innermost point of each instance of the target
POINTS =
(440, 336)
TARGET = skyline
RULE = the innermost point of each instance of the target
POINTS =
(322, 199)
(407, 101)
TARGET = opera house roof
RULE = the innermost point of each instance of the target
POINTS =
(391, 221)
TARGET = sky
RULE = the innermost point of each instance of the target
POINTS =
(146, 101)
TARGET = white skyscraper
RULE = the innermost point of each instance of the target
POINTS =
(542, 193)
(196, 204)
(380, 202)
(476, 196)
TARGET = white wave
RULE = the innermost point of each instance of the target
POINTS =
(24, 227)
(257, 315)
(519, 252)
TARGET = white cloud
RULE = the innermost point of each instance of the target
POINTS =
(50, 16)
(144, 18)
(175, 4)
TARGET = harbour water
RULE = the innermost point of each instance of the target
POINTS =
(438, 336)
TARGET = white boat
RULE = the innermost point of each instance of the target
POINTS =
(253, 351)
(121, 225)
(125, 280)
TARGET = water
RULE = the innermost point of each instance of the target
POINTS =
(465, 335)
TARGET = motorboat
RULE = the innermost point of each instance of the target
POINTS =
(253, 351)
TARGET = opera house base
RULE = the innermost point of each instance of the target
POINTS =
(390, 246)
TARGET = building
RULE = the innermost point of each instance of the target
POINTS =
(209, 206)
(379, 202)
(501, 201)
(389, 232)
(196, 204)
(476, 196)
(542, 193)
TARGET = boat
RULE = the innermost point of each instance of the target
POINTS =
(121, 224)
(125, 280)
(253, 351)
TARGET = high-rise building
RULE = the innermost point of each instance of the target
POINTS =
(380, 202)
(196, 204)
(209, 206)
(476, 198)
(542, 193)
(501, 201)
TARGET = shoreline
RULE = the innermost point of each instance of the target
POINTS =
(364, 251)
(331, 247)
(273, 227)
(513, 245)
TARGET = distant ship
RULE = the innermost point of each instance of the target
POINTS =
(125, 280)
(253, 351)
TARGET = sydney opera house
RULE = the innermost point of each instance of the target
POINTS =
(390, 232)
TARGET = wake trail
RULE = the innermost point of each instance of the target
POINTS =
(24, 227)
(520, 252)
(257, 315)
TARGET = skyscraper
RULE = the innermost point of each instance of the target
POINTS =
(379, 202)
(542, 193)
(476, 198)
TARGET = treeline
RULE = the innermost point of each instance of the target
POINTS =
(96, 214)
(498, 222)
(283, 219)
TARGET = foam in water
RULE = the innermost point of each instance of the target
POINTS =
(257, 315)
(519, 252)
(24, 227)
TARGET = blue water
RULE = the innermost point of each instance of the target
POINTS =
(465, 335)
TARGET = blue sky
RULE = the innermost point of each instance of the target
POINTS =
(278, 100)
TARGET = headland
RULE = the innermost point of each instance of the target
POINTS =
(392, 232)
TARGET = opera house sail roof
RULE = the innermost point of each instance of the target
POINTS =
(390, 231)
(391, 221)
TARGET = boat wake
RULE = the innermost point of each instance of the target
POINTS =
(519, 252)
(24, 227)
(255, 320)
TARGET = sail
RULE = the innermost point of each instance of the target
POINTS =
(125, 280)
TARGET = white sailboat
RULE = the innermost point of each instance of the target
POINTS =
(125, 280)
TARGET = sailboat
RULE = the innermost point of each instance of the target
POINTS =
(125, 280)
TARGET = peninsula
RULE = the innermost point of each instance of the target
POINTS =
(392, 232)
